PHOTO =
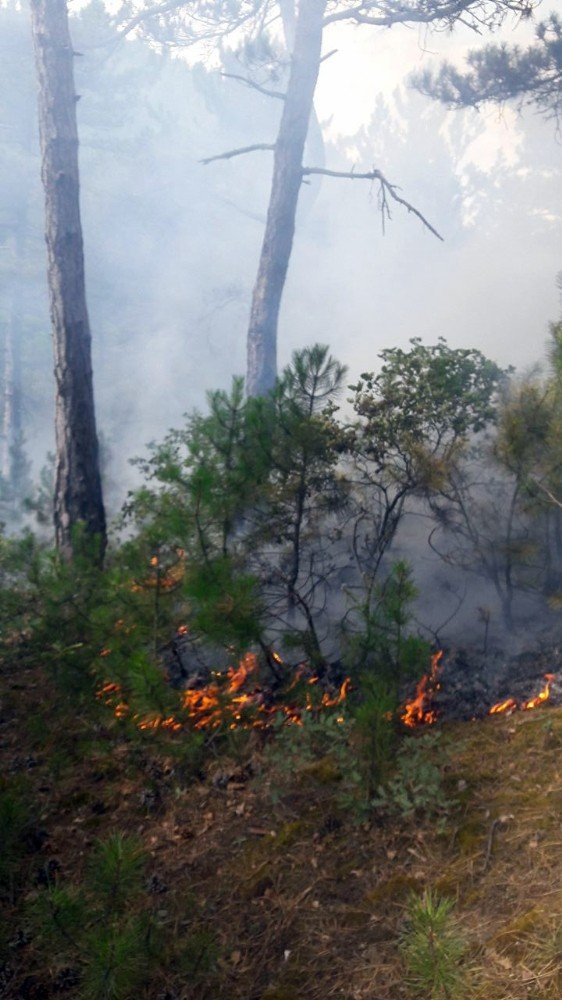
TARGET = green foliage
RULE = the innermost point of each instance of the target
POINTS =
(14, 823)
(245, 491)
(48, 604)
(416, 785)
(225, 604)
(60, 914)
(375, 730)
(115, 872)
(376, 629)
(196, 956)
(86, 625)
(432, 949)
(499, 73)
(321, 734)
(434, 395)
(117, 961)
(99, 923)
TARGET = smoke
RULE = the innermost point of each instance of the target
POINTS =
(172, 246)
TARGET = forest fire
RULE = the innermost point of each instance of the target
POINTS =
(424, 708)
(238, 699)
(418, 711)
(512, 705)
(223, 702)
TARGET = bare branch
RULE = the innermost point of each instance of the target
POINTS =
(386, 189)
(255, 86)
(238, 152)
(329, 55)
(548, 493)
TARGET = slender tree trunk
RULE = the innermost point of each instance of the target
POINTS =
(11, 437)
(9, 406)
(78, 495)
(287, 179)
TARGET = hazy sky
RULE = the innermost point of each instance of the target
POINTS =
(172, 247)
(377, 60)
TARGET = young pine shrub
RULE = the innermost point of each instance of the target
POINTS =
(101, 925)
(14, 824)
(117, 960)
(432, 949)
(116, 939)
(374, 731)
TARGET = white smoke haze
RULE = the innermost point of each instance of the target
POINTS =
(172, 246)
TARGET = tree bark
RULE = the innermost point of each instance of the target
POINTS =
(78, 494)
(287, 179)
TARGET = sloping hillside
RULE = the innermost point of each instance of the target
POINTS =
(260, 879)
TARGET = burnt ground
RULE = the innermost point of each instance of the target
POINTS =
(264, 884)
(470, 681)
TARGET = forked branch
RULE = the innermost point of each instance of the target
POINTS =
(386, 189)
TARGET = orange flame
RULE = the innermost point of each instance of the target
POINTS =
(417, 712)
(511, 705)
(223, 701)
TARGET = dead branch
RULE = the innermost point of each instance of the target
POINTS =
(255, 86)
(329, 55)
(238, 152)
(386, 190)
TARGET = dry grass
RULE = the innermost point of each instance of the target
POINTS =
(302, 902)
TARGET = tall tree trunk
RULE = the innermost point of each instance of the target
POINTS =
(287, 179)
(12, 460)
(9, 408)
(78, 494)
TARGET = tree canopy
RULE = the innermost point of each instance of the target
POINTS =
(532, 76)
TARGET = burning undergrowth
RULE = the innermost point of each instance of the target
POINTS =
(464, 684)
(238, 698)
(460, 684)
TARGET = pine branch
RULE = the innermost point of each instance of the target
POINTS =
(440, 11)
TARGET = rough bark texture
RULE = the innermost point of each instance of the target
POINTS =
(78, 495)
(287, 179)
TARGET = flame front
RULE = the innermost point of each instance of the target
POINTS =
(418, 712)
(224, 702)
(511, 705)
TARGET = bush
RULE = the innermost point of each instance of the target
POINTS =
(432, 949)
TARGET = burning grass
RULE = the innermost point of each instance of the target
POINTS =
(265, 886)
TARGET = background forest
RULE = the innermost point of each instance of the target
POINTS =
(219, 776)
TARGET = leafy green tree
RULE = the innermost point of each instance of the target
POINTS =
(413, 419)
